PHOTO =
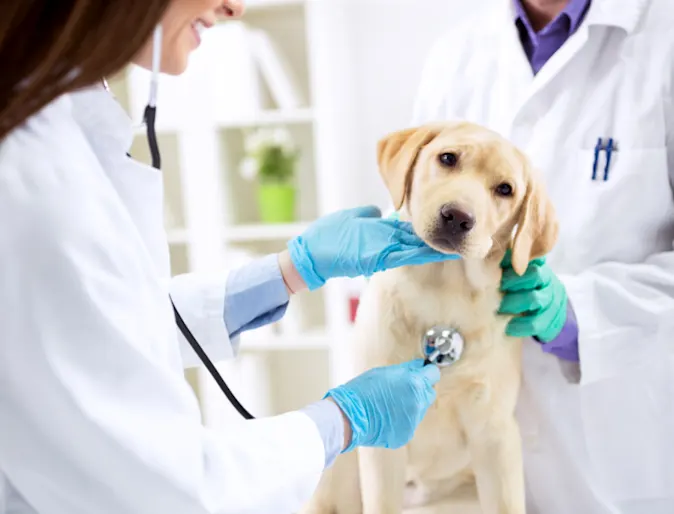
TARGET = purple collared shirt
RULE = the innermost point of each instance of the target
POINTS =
(540, 46)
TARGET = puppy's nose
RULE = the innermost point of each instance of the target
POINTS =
(454, 221)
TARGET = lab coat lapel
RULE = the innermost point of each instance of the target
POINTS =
(514, 75)
(144, 190)
(557, 62)
(139, 186)
(623, 14)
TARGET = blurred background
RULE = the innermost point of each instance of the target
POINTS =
(275, 124)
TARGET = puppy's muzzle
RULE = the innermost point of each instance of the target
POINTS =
(452, 226)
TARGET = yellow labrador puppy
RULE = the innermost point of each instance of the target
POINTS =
(466, 190)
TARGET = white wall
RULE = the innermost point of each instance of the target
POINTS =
(390, 41)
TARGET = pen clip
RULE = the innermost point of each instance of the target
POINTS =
(598, 148)
(609, 150)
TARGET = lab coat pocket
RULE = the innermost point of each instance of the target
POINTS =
(620, 205)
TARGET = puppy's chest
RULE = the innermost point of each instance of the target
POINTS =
(438, 456)
(449, 299)
(452, 300)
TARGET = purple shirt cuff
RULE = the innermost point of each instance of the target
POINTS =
(565, 345)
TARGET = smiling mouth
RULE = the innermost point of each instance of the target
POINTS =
(197, 29)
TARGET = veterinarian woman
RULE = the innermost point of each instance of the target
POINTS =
(95, 416)
(586, 88)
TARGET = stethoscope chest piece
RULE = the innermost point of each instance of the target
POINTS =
(442, 345)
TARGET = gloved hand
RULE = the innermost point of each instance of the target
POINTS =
(537, 298)
(385, 405)
(357, 242)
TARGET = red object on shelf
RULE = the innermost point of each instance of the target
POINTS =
(353, 307)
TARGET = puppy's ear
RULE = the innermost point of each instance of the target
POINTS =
(396, 154)
(537, 226)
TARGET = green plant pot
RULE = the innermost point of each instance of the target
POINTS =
(276, 203)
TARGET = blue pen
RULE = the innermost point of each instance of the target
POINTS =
(609, 150)
(597, 149)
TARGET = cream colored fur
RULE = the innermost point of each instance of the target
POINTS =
(466, 455)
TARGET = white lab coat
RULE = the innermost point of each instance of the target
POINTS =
(606, 444)
(95, 414)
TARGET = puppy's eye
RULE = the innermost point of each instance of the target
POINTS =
(504, 190)
(449, 159)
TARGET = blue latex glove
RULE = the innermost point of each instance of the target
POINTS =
(385, 405)
(538, 300)
(357, 242)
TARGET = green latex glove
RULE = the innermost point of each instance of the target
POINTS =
(538, 300)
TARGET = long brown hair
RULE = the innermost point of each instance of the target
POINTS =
(50, 47)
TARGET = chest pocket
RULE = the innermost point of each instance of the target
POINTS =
(619, 210)
(621, 214)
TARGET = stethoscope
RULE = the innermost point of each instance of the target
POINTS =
(149, 117)
(440, 345)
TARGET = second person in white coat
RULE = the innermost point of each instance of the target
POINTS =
(586, 88)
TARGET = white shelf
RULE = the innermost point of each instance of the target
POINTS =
(141, 129)
(271, 117)
(253, 6)
(245, 233)
(251, 341)
(177, 236)
(263, 232)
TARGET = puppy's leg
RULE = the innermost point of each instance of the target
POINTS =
(338, 491)
(496, 455)
(382, 479)
(323, 500)
(448, 506)
(384, 335)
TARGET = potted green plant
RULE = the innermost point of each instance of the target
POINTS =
(271, 156)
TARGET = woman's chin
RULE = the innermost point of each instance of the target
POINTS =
(175, 68)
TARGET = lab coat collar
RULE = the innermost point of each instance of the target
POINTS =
(521, 86)
(574, 11)
(104, 121)
(624, 14)
(617, 13)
